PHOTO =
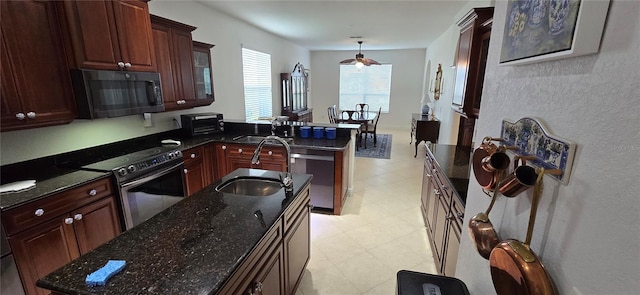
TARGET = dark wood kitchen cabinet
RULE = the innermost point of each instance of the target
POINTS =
(230, 157)
(277, 263)
(197, 168)
(51, 232)
(203, 72)
(110, 35)
(36, 86)
(174, 57)
(443, 214)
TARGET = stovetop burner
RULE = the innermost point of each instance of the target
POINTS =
(141, 162)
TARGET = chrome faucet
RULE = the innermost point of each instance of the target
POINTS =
(287, 181)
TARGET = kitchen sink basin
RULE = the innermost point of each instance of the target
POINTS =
(257, 138)
(250, 186)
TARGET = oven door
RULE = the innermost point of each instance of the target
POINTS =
(144, 197)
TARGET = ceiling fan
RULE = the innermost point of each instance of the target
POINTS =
(360, 60)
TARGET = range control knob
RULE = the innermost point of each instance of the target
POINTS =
(122, 172)
(132, 168)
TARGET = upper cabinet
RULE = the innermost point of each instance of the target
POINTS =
(294, 94)
(36, 86)
(203, 71)
(471, 58)
(110, 35)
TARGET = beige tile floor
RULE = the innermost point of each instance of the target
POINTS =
(379, 232)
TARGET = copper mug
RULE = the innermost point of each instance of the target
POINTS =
(522, 178)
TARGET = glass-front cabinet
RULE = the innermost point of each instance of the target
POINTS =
(202, 70)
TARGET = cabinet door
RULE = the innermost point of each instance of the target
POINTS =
(203, 72)
(220, 169)
(42, 249)
(36, 85)
(105, 33)
(209, 162)
(297, 250)
(426, 197)
(162, 45)
(183, 55)
(440, 223)
(96, 224)
(269, 279)
(239, 156)
(194, 169)
(134, 33)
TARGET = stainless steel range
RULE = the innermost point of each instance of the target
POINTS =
(148, 181)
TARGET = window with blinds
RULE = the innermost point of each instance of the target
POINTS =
(370, 85)
(256, 69)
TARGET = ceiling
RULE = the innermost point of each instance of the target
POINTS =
(329, 25)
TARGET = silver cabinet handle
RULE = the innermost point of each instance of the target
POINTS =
(68, 220)
(429, 175)
(39, 212)
(224, 147)
(77, 216)
(460, 215)
(185, 171)
(193, 156)
(436, 191)
(449, 217)
(31, 115)
(270, 153)
(127, 65)
(121, 65)
(93, 192)
(20, 116)
(240, 151)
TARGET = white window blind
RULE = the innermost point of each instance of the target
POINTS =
(371, 85)
(256, 68)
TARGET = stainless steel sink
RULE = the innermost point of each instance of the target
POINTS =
(257, 138)
(250, 186)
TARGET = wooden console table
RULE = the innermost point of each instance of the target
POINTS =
(424, 128)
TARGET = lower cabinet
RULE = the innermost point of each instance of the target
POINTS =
(443, 213)
(60, 228)
(198, 168)
(277, 264)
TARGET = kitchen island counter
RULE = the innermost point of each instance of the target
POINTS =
(193, 247)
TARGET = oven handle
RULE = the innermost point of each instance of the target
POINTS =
(151, 177)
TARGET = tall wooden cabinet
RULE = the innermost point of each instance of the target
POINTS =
(110, 35)
(294, 95)
(203, 72)
(471, 59)
(36, 86)
(51, 232)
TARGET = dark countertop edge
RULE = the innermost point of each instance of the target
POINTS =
(296, 123)
(46, 188)
(304, 143)
(84, 264)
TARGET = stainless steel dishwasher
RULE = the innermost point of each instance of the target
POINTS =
(321, 165)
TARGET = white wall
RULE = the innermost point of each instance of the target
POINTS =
(406, 82)
(587, 233)
(226, 33)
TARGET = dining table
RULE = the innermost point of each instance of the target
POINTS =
(357, 117)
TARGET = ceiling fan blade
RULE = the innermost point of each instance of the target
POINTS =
(348, 61)
(368, 62)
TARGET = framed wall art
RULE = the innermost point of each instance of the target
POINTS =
(543, 30)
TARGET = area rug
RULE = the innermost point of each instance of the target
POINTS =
(382, 150)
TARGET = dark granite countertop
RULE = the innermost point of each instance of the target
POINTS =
(337, 144)
(45, 188)
(192, 247)
(454, 162)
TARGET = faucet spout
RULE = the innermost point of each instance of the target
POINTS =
(287, 181)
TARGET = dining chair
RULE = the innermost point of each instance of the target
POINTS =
(348, 117)
(371, 129)
(362, 107)
(332, 114)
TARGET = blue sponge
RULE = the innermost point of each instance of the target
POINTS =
(100, 276)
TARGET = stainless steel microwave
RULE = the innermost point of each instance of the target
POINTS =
(103, 94)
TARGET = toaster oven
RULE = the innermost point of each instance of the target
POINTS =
(202, 124)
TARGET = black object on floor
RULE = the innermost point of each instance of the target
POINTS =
(417, 283)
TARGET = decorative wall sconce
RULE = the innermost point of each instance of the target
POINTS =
(437, 84)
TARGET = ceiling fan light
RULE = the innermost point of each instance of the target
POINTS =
(359, 65)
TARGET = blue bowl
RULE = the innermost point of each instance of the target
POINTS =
(318, 132)
(305, 131)
(330, 132)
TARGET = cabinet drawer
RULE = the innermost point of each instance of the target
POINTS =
(193, 155)
(42, 210)
(296, 209)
